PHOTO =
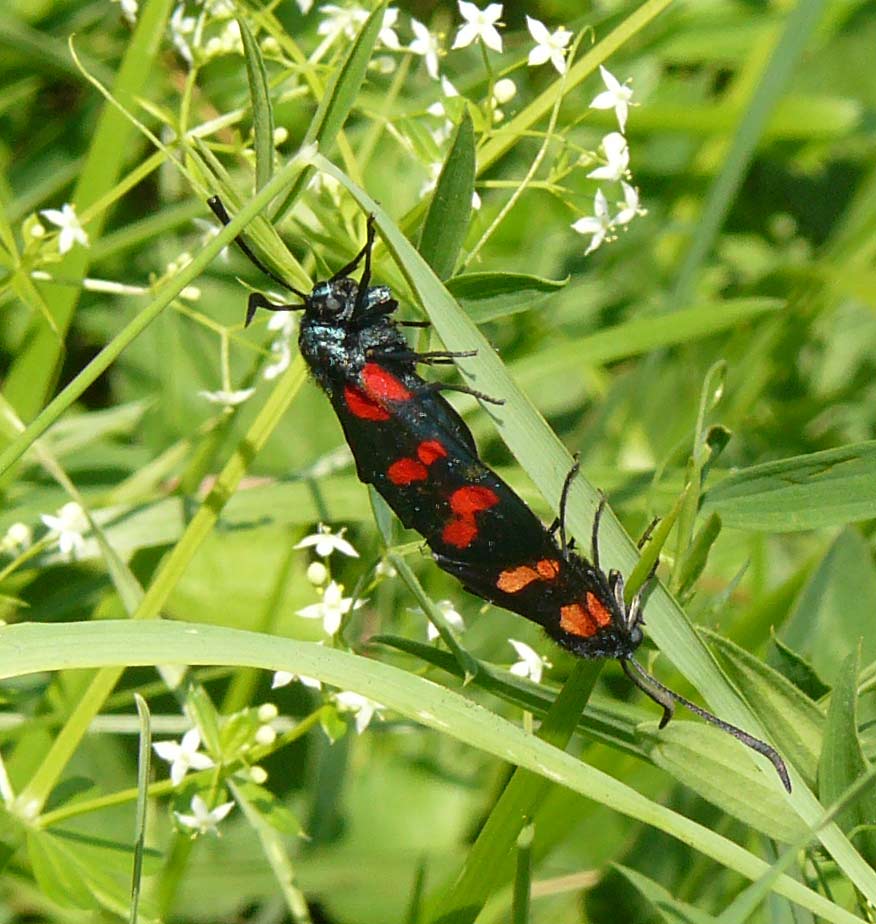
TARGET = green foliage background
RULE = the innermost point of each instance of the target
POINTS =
(714, 365)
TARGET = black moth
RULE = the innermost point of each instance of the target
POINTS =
(416, 450)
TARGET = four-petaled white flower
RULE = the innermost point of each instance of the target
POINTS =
(531, 664)
(183, 755)
(616, 96)
(227, 398)
(630, 207)
(426, 45)
(324, 541)
(549, 46)
(348, 20)
(450, 613)
(331, 609)
(66, 219)
(284, 678)
(479, 24)
(70, 523)
(617, 158)
(204, 820)
(363, 708)
(599, 224)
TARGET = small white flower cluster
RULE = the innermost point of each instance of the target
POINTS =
(187, 33)
(602, 225)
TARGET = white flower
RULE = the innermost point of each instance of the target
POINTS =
(531, 664)
(305, 6)
(504, 90)
(425, 44)
(363, 708)
(284, 678)
(616, 96)
(183, 756)
(204, 820)
(70, 523)
(451, 614)
(630, 207)
(129, 10)
(548, 45)
(227, 398)
(17, 539)
(326, 542)
(387, 34)
(281, 349)
(617, 157)
(182, 26)
(71, 231)
(331, 609)
(599, 225)
(479, 24)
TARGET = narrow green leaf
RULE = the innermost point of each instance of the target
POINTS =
(670, 909)
(488, 296)
(447, 219)
(797, 669)
(794, 723)
(697, 554)
(58, 879)
(842, 759)
(260, 100)
(144, 756)
(827, 488)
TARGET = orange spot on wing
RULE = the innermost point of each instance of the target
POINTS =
(430, 451)
(515, 579)
(598, 610)
(575, 620)
(383, 385)
(548, 569)
(460, 533)
(406, 471)
(472, 499)
(360, 405)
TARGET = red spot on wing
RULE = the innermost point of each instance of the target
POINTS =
(405, 471)
(465, 502)
(472, 499)
(460, 533)
(598, 610)
(430, 451)
(361, 405)
(383, 385)
(576, 620)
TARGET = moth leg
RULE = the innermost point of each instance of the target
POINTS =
(430, 387)
(431, 358)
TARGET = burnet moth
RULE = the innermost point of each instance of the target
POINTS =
(420, 455)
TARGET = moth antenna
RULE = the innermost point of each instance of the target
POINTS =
(217, 207)
(665, 697)
(256, 300)
(564, 497)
